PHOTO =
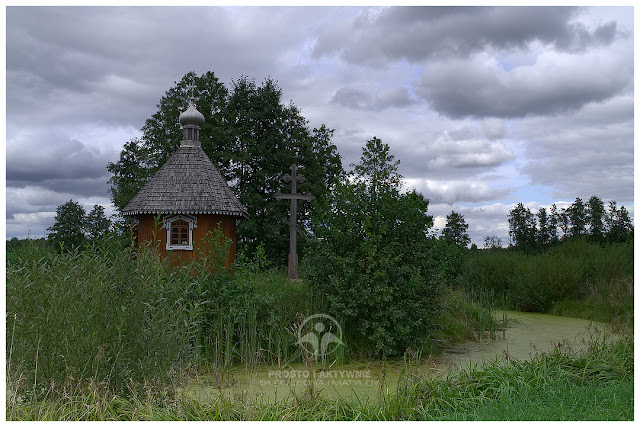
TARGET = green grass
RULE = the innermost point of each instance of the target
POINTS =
(559, 401)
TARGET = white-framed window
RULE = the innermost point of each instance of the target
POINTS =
(180, 232)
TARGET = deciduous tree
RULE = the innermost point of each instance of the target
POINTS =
(544, 233)
(595, 216)
(96, 223)
(522, 227)
(619, 225)
(371, 257)
(455, 231)
(68, 231)
(577, 218)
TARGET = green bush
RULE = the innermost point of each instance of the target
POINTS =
(372, 262)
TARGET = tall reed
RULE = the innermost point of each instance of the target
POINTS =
(102, 315)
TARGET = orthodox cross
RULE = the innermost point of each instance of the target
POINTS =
(294, 178)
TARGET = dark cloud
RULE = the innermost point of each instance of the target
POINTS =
(480, 87)
(426, 32)
(112, 64)
(34, 199)
(58, 164)
(596, 146)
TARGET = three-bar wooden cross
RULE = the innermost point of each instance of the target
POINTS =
(294, 178)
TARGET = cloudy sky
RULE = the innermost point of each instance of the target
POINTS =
(484, 107)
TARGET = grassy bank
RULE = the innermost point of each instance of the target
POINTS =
(594, 385)
(574, 278)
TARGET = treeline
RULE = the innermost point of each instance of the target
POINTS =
(74, 229)
(591, 220)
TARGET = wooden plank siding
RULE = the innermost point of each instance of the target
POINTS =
(145, 235)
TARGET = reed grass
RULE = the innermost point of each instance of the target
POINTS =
(116, 315)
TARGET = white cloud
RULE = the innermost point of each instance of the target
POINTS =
(452, 192)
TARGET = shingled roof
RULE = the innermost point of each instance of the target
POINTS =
(188, 183)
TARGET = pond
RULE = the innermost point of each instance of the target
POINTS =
(525, 335)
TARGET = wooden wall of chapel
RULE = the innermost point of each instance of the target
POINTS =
(206, 223)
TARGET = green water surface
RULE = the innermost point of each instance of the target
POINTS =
(525, 335)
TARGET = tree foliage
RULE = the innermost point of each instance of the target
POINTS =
(492, 242)
(251, 136)
(595, 216)
(591, 220)
(522, 227)
(371, 256)
(74, 228)
(577, 217)
(378, 167)
(96, 223)
(68, 230)
(455, 231)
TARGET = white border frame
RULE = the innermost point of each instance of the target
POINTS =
(193, 223)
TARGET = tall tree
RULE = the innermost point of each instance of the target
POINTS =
(377, 167)
(67, 232)
(96, 223)
(371, 257)
(577, 217)
(455, 231)
(129, 173)
(251, 137)
(619, 225)
(544, 233)
(268, 137)
(564, 222)
(554, 223)
(595, 216)
(522, 227)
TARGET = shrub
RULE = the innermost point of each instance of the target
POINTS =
(372, 262)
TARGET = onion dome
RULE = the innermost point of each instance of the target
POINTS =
(191, 120)
(192, 116)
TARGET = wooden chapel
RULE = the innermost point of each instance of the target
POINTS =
(189, 195)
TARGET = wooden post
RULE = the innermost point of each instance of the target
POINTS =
(294, 178)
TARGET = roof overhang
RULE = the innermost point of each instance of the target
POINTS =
(186, 212)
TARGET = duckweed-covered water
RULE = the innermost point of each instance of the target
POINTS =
(525, 335)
